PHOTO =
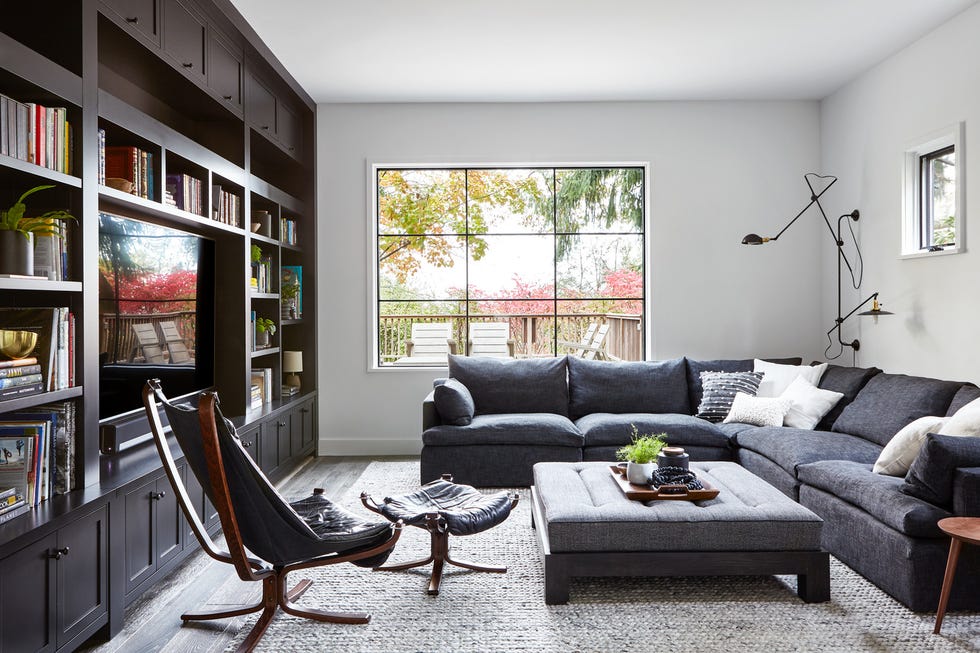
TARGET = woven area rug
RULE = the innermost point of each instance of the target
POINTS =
(506, 612)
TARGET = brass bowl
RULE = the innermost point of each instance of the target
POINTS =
(17, 344)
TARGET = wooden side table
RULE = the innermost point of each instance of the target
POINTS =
(961, 529)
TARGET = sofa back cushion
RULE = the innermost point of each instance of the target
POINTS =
(620, 387)
(931, 476)
(846, 380)
(888, 402)
(963, 396)
(529, 385)
(695, 367)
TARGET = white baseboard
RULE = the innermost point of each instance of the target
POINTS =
(372, 447)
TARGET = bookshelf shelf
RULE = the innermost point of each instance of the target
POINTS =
(292, 248)
(34, 285)
(20, 403)
(265, 352)
(265, 295)
(264, 239)
(291, 322)
(112, 198)
(273, 194)
(39, 171)
(41, 71)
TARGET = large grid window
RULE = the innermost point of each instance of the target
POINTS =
(509, 262)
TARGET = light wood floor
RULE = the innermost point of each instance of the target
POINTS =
(153, 621)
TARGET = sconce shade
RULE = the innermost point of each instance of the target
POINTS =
(754, 239)
(292, 362)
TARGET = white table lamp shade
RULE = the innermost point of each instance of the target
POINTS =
(292, 362)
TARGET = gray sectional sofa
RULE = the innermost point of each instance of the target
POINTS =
(568, 409)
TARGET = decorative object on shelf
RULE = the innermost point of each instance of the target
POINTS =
(823, 183)
(265, 328)
(291, 280)
(120, 184)
(673, 457)
(292, 365)
(264, 218)
(16, 344)
(255, 227)
(289, 292)
(17, 233)
(641, 455)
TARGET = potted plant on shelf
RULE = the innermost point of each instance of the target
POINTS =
(289, 294)
(17, 233)
(264, 330)
(641, 456)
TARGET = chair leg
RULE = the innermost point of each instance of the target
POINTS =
(317, 615)
(476, 566)
(954, 553)
(298, 590)
(270, 591)
(405, 565)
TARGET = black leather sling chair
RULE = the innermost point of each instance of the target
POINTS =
(266, 536)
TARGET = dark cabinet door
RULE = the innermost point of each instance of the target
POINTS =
(289, 129)
(140, 552)
(250, 441)
(169, 521)
(225, 69)
(27, 585)
(141, 17)
(301, 429)
(184, 34)
(260, 107)
(309, 427)
(282, 434)
(83, 574)
(268, 447)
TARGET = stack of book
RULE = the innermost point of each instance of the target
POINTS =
(132, 164)
(261, 378)
(51, 366)
(287, 231)
(36, 134)
(12, 504)
(262, 275)
(289, 390)
(51, 256)
(184, 192)
(227, 207)
(37, 453)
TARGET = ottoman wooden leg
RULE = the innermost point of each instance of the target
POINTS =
(814, 585)
(556, 581)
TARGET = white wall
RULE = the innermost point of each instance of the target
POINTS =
(865, 127)
(718, 171)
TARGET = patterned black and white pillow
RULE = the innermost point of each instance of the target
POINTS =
(719, 392)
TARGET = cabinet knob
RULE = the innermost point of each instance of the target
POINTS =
(134, 20)
(292, 149)
(266, 127)
(58, 554)
(227, 97)
(282, 424)
(156, 496)
(246, 445)
(304, 410)
(188, 65)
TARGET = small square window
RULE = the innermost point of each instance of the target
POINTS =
(934, 196)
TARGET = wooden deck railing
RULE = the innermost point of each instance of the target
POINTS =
(117, 340)
(534, 335)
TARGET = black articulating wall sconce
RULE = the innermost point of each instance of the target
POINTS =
(818, 185)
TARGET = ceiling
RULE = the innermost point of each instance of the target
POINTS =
(585, 50)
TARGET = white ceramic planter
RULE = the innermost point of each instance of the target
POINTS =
(640, 473)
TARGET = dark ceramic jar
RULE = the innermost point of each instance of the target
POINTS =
(673, 457)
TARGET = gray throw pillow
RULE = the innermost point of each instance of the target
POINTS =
(931, 476)
(453, 402)
(719, 390)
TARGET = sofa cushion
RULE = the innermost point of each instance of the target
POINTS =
(453, 401)
(531, 429)
(876, 494)
(639, 387)
(890, 401)
(732, 429)
(600, 429)
(846, 380)
(931, 476)
(789, 447)
(531, 385)
(963, 396)
(761, 411)
(695, 367)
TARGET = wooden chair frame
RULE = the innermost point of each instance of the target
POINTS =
(275, 594)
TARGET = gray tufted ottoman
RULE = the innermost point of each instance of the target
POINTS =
(587, 527)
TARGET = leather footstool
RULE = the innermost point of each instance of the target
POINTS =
(444, 508)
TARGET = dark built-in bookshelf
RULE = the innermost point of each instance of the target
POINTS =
(181, 98)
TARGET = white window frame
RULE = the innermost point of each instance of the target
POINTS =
(954, 136)
(372, 165)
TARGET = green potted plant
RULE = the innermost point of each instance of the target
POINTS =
(264, 329)
(17, 233)
(641, 455)
(289, 294)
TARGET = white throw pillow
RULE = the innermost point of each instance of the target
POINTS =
(965, 421)
(778, 377)
(900, 452)
(809, 403)
(758, 411)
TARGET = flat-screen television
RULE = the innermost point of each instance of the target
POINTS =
(156, 312)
